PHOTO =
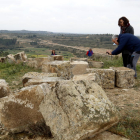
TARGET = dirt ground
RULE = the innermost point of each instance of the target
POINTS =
(126, 100)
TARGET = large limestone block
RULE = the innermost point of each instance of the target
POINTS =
(62, 68)
(19, 110)
(107, 76)
(10, 58)
(20, 57)
(50, 80)
(78, 67)
(4, 88)
(95, 64)
(57, 57)
(37, 76)
(75, 110)
(90, 76)
(78, 59)
(124, 77)
(37, 62)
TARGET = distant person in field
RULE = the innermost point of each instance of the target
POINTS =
(127, 42)
(89, 53)
(53, 52)
(125, 27)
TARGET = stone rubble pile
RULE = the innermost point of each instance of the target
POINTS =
(66, 101)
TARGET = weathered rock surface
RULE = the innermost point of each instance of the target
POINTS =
(37, 76)
(107, 77)
(78, 59)
(75, 110)
(57, 57)
(107, 136)
(10, 58)
(2, 59)
(50, 80)
(62, 68)
(20, 57)
(95, 64)
(124, 77)
(4, 88)
(90, 77)
(19, 110)
(37, 62)
(78, 67)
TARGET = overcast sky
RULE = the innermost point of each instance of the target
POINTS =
(70, 16)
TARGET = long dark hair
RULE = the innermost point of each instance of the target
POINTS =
(52, 52)
(126, 21)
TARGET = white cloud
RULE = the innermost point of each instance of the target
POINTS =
(75, 16)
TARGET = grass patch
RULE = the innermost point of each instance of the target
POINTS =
(128, 126)
(13, 73)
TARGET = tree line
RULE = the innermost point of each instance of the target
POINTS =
(8, 42)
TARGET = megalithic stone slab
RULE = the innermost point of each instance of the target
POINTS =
(62, 68)
(76, 110)
(124, 77)
(107, 77)
(78, 67)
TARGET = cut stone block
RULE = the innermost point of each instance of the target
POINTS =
(95, 64)
(50, 80)
(78, 59)
(57, 57)
(4, 88)
(107, 77)
(37, 62)
(78, 67)
(62, 68)
(37, 76)
(90, 76)
(124, 77)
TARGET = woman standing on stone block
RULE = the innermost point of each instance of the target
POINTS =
(125, 27)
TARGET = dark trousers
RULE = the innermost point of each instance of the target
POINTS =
(133, 61)
(126, 59)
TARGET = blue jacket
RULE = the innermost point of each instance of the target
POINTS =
(89, 53)
(128, 42)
